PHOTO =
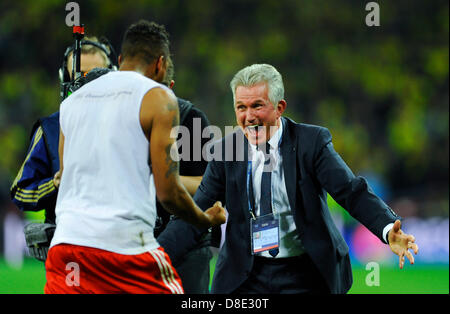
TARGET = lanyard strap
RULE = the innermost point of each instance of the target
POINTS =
(249, 186)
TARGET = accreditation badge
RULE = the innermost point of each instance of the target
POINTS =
(265, 233)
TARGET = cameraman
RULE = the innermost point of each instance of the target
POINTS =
(34, 187)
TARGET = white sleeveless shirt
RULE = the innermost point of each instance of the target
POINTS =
(107, 196)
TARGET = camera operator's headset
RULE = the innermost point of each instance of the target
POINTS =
(64, 76)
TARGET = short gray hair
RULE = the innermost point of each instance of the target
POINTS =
(258, 73)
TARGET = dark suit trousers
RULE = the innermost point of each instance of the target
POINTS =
(291, 275)
(194, 271)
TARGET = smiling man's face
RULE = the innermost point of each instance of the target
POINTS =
(255, 114)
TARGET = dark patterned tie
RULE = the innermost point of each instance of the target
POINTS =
(265, 204)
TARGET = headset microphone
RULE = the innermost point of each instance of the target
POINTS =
(78, 34)
(68, 85)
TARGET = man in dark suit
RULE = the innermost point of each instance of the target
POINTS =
(280, 237)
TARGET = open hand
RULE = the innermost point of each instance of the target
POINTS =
(400, 243)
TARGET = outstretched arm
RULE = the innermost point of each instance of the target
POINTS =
(355, 195)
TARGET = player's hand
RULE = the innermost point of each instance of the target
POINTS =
(400, 243)
(57, 179)
(216, 214)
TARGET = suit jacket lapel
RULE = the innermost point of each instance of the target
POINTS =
(240, 172)
(288, 149)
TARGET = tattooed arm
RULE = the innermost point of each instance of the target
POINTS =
(158, 115)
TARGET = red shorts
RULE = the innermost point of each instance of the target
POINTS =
(80, 269)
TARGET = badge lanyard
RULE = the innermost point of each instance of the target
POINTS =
(264, 230)
(249, 175)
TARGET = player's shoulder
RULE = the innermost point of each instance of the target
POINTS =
(158, 101)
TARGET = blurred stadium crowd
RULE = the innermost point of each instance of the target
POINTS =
(382, 91)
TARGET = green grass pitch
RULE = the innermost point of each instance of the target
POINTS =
(414, 279)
